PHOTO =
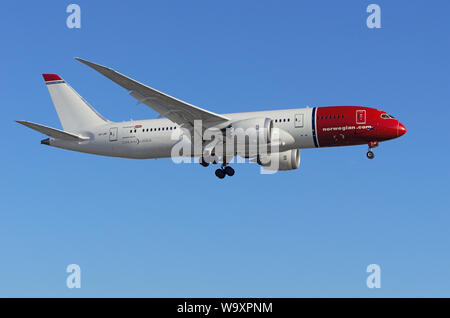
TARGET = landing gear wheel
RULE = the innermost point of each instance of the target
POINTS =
(203, 162)
(229, 171)
(220, 173)
(370, 155)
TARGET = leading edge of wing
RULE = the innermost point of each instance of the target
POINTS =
(133, 85)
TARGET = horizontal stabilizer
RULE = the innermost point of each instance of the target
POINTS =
(52, 132)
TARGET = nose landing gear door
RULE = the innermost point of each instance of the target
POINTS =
(113, 134)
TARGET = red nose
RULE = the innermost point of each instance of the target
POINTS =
(401, 130)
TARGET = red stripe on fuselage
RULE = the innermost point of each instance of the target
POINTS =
(347, 125)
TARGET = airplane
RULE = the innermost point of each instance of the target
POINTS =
(85, 130)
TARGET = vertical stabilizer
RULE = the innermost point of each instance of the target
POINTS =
(73, 111)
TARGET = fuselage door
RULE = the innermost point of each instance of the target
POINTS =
(113, 134)
(298, 120)
(360, 116)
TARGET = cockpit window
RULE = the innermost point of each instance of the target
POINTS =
(385, 116)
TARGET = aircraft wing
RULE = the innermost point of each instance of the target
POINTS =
(52, 132)
(167, 106)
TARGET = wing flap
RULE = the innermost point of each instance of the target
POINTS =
(52, 132)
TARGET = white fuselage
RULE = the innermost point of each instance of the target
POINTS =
(155, 138)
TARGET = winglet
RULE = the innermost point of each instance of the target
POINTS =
(99, 68)
(51, 77)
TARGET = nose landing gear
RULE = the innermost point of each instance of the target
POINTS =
(370, 154)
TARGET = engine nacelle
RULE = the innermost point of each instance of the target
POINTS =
(260, 128)
(286, 160)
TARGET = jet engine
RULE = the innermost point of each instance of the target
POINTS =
(252, 128)
(286, 160)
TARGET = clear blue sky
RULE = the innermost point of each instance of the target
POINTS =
(153, 228)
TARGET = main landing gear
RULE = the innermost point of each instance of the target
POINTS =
(222, 172)
(203, 162)
(370, 153)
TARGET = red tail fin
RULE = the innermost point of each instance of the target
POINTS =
(51, 77)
